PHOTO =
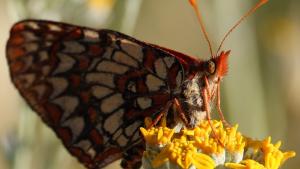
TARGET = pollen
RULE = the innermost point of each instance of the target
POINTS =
(157, 136)
(183, 153)
(201, 148)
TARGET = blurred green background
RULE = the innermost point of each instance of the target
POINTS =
(261, 91)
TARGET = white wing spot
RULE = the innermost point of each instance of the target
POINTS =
(58, 84)
(28, 61)
(53, 27)
(94, 63)
(117, 134)
(33, 25)
(91, 152)
(73, 47)
(29, 36)
(30, 47)
(27, 79)
(112, 67)
(111, 103)
(125, 59)
(107, 54)
(132, 49)
(144, 102)
(65, 63)
(68, 104)
(113, 39)
(40, 90)
(91, 34)
(160, 68)
(76, 124)
(101, 78)
(43, 55)
(130, 129)
(136, 136)
(122, 140)
(112, 123)
(48, 44)
(100, 91)
(169, 61)
(179, 79)
(153, 83)
(49, 37)
(84, 144)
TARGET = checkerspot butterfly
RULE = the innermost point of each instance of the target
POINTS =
(95, 87)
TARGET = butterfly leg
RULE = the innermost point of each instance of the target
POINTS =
(161, 114)
(132, 157)
(181, 112)
(218, 105)
(207, 87)
(209, 118)
(206, 94)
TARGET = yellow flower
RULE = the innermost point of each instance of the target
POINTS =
(157, 136)
(184, 153)
(274, 158)
(246, 164)
(202, 148)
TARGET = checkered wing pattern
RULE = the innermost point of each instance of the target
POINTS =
(92, 87)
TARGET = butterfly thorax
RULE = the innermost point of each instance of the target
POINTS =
(192, 100)
(204, 78)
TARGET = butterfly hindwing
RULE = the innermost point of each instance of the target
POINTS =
(92, 87)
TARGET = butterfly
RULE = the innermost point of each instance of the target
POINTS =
(94, 88)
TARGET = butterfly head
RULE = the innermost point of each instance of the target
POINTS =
(217, 66)
(215, 69)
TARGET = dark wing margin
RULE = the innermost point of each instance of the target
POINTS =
(92, 87)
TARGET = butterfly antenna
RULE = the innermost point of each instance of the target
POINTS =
(252, 10)
(195, 7)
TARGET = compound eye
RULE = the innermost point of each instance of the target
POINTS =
(211, 67)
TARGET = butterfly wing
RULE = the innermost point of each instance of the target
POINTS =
(92, 87)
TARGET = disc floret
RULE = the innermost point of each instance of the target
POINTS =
(198, 148)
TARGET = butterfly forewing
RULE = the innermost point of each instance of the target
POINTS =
(92, 87)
